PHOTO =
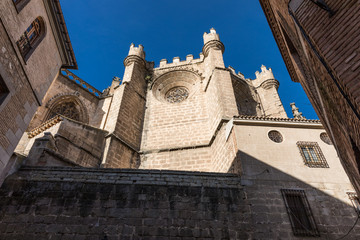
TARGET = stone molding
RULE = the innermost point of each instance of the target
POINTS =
(46, 125)
(213, 44)
(134, 59)
(270, 83)
(273, 23)
(294, 120)
(160, 72)
(58, 98)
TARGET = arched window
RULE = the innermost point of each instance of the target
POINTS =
(67, 109)
(68, 106)
(31, 38)
(20, 4)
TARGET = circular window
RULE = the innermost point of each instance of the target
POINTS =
(275, 136)
(177, 94)
(325, 138)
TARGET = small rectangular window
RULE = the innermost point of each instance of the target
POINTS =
(312, 155)
(355, 201)
(4, 91)
(20, 4)
(301, 218)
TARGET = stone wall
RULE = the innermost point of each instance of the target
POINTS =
(68, 203)
(26, 79)
(20, 103)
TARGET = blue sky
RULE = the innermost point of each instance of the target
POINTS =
(102, 31)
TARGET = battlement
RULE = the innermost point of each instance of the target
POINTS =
(265, 73)
(177, 61)
(137, 51)
(212, 35)
(239, 74)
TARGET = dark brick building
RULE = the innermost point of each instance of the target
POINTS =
(319, 42)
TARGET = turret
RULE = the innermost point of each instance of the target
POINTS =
(267, 86)
(126, 112)
(135, 54)
(213, 50)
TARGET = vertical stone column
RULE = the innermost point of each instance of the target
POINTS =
(267, 86)
(126, 113)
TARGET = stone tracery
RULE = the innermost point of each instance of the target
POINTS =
(67, 109)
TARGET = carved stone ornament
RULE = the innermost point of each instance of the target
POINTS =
(67, 109)
(325, 138)
(275, 136)
(177, 94)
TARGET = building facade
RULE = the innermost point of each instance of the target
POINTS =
(320, 46)
(187, 149)
(34, 46)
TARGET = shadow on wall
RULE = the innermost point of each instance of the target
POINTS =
(245, 102)
(265, 188)
(84, 203)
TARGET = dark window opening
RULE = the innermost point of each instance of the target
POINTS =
(356, 153)
(31, 38)
(301, 218)
(4, 91)
(322, 4)
(20, 4)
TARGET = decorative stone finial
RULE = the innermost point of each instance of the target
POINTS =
(116, 79)
(295, 111)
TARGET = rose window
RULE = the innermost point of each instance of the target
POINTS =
(275, 136)
(177, 94)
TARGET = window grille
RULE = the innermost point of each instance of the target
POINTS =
(355, 201)
(312, 155)
(3, 90)
(31, 37)
(300, 215)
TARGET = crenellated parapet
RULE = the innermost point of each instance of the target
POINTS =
(265, 79)
(136, 54)
(267, 86)
(212, 41)
(177, 61)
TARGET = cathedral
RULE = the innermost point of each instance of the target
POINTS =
(183, 149)
(188, 149)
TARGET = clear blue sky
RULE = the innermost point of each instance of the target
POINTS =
(102, 31)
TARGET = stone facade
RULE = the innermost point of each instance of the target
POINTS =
(82, 203)
(185, 150)
(319, 43)
(25, 79)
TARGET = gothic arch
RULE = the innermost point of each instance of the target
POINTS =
(67, 105)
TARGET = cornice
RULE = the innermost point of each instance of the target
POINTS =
(274, 26)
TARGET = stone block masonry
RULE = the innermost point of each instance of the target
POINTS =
(88, 203)
(69, 203)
